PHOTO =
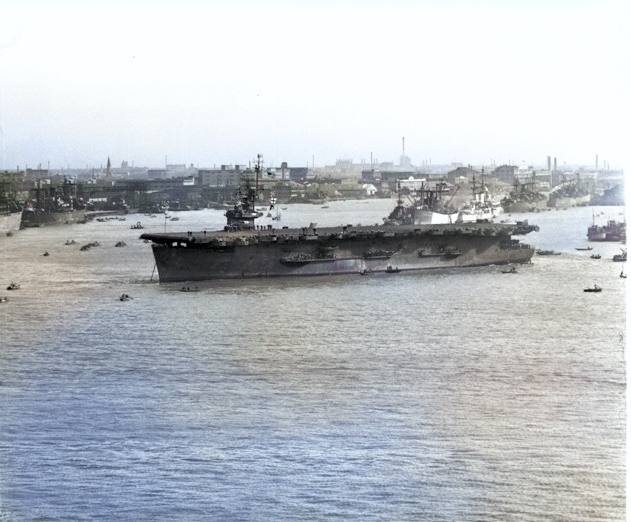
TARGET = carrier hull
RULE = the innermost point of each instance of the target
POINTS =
(331, 251)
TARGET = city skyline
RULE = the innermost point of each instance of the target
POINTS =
(211, 83)
(548, 163)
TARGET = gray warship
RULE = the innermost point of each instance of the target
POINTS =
(53, 206)
(244, 250)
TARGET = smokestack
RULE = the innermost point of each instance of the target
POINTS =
(555, 163)
(548, 162)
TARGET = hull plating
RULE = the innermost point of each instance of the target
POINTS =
(331, 252)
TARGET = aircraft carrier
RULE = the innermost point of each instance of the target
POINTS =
(245, 250)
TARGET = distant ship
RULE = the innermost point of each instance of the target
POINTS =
(571, 193)
(10, 221)
(10, 212)
(53, 206)
(427, 206)
(246, 250)
(612, 231)
(481, 207)
(525, 197)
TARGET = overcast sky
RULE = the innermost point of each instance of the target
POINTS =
(309, 82)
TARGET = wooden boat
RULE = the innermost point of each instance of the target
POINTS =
(595, 256)
(595, 288)
(584, 248)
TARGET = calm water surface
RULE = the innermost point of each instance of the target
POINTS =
(459, 395)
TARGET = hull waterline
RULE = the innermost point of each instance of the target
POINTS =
(332, 251)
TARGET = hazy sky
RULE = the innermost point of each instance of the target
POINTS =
(212, 82)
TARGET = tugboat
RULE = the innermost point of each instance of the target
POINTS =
(612, 231)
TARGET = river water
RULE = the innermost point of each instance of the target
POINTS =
(455, 395)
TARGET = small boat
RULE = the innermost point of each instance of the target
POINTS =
(125, 297)
(3, 299)
(88, 246)
(621, 257)
(595, 288)
(45, 254)
(71, 242)
(511, 270)
(189, 289)
(584, 248)
(547, 253)
(13, 286)
(120, 244)
(392, 270)
(623, 275)
(136, 226)
(595, 256)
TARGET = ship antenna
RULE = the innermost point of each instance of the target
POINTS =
(257, 169)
